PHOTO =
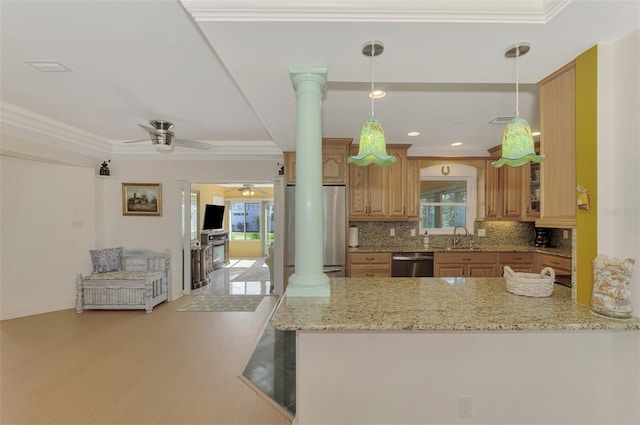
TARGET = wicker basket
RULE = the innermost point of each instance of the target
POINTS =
(530, 284)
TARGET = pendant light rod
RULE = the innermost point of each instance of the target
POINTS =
(515, 51)
(372, 48)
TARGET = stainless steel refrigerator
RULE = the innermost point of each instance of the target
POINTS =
(334, 234)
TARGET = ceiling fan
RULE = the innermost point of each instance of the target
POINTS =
(163, 138)
(247, 190)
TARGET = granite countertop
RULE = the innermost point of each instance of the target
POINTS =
(437, 304)
(488, 248)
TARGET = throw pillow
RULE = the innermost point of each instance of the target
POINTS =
(106, 260)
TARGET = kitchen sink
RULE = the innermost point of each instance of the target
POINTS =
(463, 248)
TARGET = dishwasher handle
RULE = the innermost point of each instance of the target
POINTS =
(420, 258)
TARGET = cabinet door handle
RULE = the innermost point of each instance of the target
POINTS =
(466, 259)
(369, 274)
(517, 258)
(370, 258)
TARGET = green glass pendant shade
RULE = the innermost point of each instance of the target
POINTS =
(518, 147)
(373, 149)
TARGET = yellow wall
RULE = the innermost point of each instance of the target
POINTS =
(586, 170)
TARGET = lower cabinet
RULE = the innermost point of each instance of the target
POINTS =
(560, 265)
(518, 261)
(370, 264)
(466, 264)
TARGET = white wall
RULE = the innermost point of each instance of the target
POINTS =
(619, 153)
(48, 227)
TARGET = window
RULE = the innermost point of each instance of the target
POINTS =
(195, 214)
(447, 201)
(245, 220)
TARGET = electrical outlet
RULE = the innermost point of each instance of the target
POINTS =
(413, 232)
(392, 232)
(482, 232)
(464, 407)
(565, 234)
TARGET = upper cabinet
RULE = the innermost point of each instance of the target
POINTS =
(334, 162)
(557, 141)
(387, 193)
(413, 189)
(507, 192)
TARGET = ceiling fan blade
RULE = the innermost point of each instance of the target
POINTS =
(136, 141)
(192, 144)
(150, 129)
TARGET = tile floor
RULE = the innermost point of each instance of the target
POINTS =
(272, 366)
(221, 279)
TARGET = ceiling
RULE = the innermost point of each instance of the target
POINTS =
(219, 69)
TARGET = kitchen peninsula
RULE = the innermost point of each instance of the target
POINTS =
(407, 350)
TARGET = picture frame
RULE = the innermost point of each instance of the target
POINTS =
(142, 199)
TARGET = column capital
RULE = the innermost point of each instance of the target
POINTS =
(317, 74)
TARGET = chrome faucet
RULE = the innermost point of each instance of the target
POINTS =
(456, 238)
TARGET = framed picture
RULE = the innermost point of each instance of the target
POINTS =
(143, 199)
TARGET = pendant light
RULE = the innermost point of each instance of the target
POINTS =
(372, 148)
(518, 147)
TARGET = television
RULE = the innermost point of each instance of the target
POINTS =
(213, 217)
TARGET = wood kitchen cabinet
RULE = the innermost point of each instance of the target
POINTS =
(382, 193)
(334, 162)
(512, 194)
(413, 189)
(560, 265)
(367, 191)
(465, 264)
(369, 264)
(557, 141)
(518, 261)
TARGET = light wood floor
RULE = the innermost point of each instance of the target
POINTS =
(128, 367)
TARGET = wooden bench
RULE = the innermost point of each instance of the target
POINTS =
(142, 283)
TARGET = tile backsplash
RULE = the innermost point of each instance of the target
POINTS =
(378, 234)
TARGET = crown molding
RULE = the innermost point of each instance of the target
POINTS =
(27, 125)
(523, 11)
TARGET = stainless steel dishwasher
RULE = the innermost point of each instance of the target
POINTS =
(412, 264)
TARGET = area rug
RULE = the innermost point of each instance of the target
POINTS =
(254, 274)
(222, 303)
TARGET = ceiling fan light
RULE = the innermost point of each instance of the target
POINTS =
(372, 148)
(518, 147)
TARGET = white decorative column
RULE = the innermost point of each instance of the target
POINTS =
(309, 82)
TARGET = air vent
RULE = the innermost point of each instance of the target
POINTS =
(49, 66)
(501, 120)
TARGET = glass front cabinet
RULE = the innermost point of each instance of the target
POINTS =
(532, 191)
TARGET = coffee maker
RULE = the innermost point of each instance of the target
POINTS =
(542, 238)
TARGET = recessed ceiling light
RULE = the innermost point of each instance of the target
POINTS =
(49, 66)
(377, 94)
(413, 133)
(456, 144)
